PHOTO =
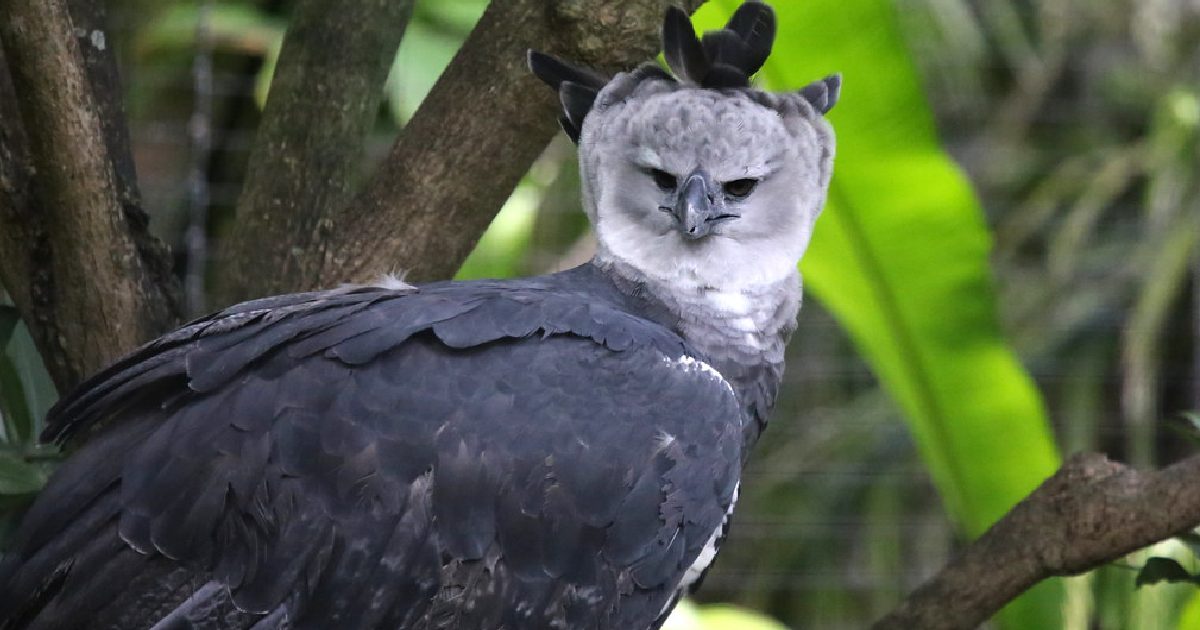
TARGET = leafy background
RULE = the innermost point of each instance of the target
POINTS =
(1006, 270)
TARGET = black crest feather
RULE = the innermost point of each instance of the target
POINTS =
(823, 94)
(754, 22)
(724, 58)
(577, 100)
(686, 57)
(554, 72)
(577, 88)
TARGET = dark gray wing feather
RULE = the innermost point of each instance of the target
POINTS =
(462, 456)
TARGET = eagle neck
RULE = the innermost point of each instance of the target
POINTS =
(741, 331)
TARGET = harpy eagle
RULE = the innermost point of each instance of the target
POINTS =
(560, 451)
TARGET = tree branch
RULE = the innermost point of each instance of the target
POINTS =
(309, 148)
(1091, 512)
(75, 255)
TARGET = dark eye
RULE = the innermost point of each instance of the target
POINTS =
(740, 188)
(663, 179)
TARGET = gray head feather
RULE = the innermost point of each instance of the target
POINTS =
(700, 181)
(722, 59)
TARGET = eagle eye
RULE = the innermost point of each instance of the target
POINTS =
(664, 180)
(740, 188)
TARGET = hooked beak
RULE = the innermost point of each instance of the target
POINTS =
(697, 210)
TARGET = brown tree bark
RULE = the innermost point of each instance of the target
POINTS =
(1091, 512)
(456, 161)
(75, 255)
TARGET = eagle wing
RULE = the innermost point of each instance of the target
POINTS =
(460, 456)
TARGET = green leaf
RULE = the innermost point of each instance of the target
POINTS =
(424, 53)
(1162, 570)
(26, 391)
(8, 323)
(18, 476)
(688, 616)
(499, 251)
(434, 34)
(726, 617)
(900, 256)
(13, 408)
(18, 421)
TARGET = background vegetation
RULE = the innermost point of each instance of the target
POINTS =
(1016, 195)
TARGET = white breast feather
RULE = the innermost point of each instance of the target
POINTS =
(692, 364)
(730, 302)
(709, 552)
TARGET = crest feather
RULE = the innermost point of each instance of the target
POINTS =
(823, 94)
(686, 57)
(577, 100)
(754, 22)
(722, 59)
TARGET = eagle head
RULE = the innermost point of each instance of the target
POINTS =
(697, 177)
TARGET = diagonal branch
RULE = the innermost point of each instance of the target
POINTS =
(75, 255)
(1091, 512)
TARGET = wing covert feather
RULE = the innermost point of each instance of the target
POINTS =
(516, 456)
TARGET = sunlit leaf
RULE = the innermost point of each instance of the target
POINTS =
(423, 54)
(450, 15)
(688, 616)
(726, 617)
(500, 249)
(433, 36)
(1189, 617)
(900, 256)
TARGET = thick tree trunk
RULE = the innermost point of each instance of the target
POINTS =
(75, 255)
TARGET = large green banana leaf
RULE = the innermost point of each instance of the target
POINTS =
(900, 256)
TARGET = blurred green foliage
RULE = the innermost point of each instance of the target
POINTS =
(900, 256)
(25, 395)
(688, 616)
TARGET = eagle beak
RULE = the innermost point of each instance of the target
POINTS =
(697, 210)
